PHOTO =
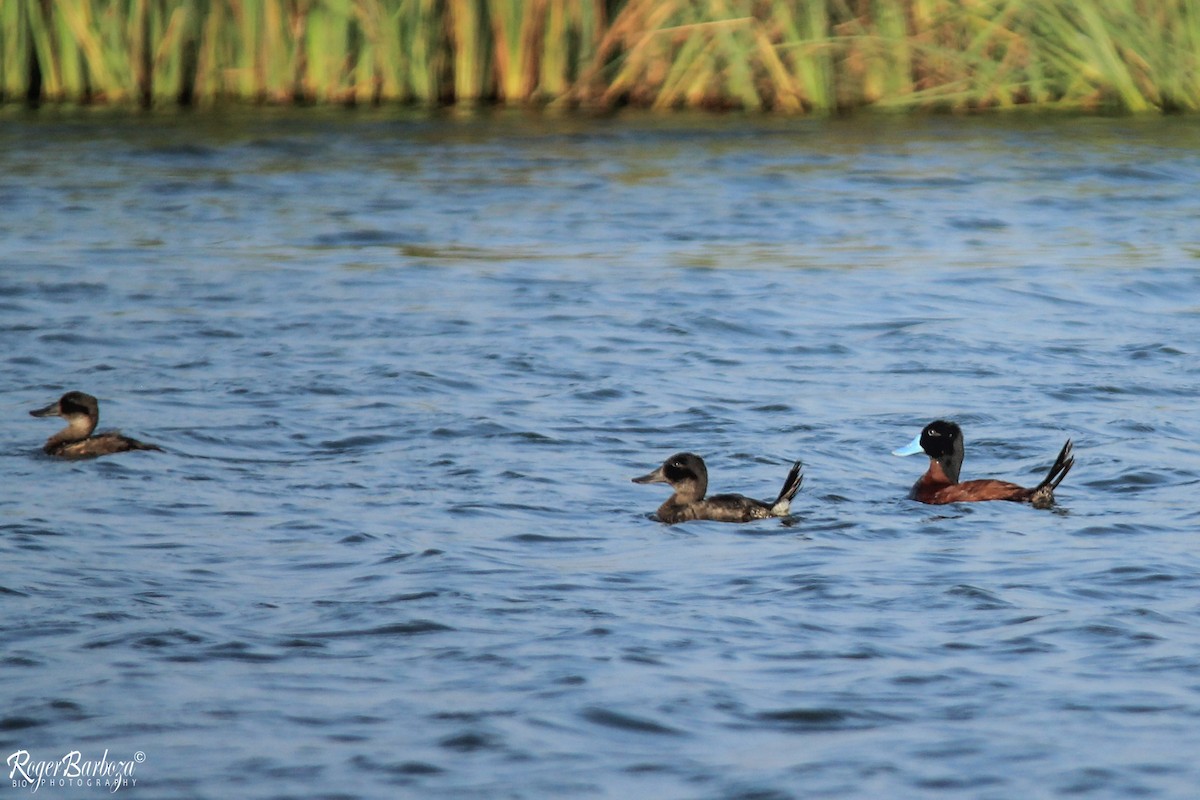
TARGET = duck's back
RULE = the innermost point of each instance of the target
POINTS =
(102, 444)
(982, 489)
(718, 508)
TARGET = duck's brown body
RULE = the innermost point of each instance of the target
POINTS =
(719, 508)
(102, 444)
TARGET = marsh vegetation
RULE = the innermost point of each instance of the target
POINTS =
(797, 56)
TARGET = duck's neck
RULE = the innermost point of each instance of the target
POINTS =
(690, 491)
(78, 428)
(945, 469)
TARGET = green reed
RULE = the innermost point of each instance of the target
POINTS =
(787, 55)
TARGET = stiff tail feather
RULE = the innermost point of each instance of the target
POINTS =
(1042, 495)
(791, 485)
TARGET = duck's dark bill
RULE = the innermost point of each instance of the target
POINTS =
(654, 477)
(49, 411)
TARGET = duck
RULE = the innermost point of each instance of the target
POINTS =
(82, 412)
(688, 476)
(942, 441)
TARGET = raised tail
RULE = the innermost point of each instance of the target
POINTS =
(791, 485)
(1042, 495)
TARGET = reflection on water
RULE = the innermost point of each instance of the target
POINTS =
(404, 369)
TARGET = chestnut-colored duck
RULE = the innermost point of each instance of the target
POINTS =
(942, 441)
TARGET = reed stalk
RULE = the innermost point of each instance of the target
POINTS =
(795, 56)
(15, 52)
(468, 43)
(514, 25)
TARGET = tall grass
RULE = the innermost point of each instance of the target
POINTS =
(788, 55)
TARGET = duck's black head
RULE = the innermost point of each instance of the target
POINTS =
(685, 472)
(941, 438)
(942, 441)
(71, 405)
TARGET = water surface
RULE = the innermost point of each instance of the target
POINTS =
(404, 368)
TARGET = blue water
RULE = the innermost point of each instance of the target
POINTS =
(404, 368)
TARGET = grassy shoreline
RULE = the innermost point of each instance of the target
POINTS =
(793, 56)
